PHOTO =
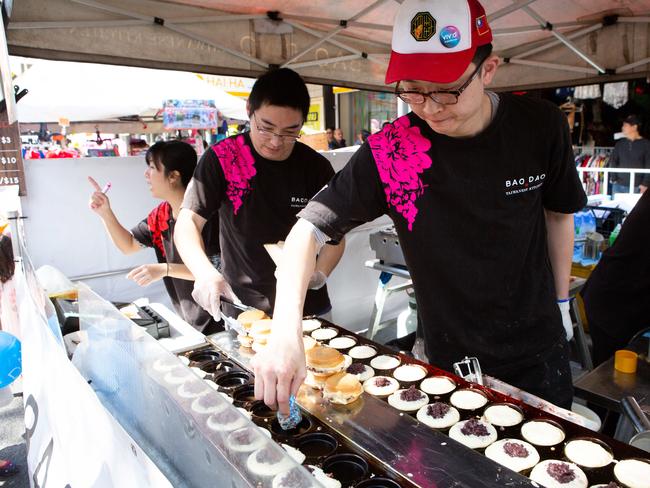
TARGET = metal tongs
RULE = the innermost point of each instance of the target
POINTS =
(473, 368)
(230, 322)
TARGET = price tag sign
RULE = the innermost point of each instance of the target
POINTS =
(11, 161)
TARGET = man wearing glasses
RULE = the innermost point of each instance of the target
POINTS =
(257, 181)
(481, 188)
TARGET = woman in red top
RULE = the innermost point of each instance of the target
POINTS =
(170, 166)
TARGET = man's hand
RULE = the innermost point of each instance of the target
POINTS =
(99, 202)
(148, 273)
(209, 289)
(565, 310)
(280, 368)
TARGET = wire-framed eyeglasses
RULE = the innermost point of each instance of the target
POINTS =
(268, 134)
(443, 97)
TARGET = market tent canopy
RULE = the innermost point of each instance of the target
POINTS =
(94, 92)
(545, 42)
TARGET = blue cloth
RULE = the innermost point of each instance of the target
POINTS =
(294, 418)
(10, 359)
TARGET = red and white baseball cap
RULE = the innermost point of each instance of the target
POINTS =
(435, 40)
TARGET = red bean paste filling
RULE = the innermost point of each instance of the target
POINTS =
(438, 410)
(411, 395)
(513, 449)
(242, 438)
(561, 472)
(226, 417)
(269, 456)
(474, 427)
(356, 368)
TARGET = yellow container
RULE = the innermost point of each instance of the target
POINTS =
(625, 361)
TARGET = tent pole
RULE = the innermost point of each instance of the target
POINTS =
(71, 24)
(572, 35)
(319, 62)
(635, 20)
(316, 33)
(509, 9)
(370, 57)
(563, 39)
(324, 20)
(562, 67)
(360, 14)
(172, 27)
(232, 52)
(631, 66)
(114, 10)
(214, 18)
(509, 31)
(313, 46)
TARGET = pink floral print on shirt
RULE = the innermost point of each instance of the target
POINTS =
(400, 152)
(238, 166)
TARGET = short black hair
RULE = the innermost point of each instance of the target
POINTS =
(482, 53)
(173, 156)
(281, 87)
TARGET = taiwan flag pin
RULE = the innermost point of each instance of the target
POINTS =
(481, 25)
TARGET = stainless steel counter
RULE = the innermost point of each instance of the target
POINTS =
(424, 456)
(606, 387)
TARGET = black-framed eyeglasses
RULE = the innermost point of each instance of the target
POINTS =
(268, 134)
(443, 97)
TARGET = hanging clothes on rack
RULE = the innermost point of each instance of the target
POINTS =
(594, 157)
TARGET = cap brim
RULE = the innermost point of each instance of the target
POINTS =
(436, 68)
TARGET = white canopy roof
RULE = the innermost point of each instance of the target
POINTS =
(88, 92)
(344, 42)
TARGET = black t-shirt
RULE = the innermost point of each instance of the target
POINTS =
(631, 154)
(617, 293)
(157, 231)
(257, 200)
(470, 218)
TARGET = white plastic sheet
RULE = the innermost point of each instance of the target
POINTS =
(71, 438)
